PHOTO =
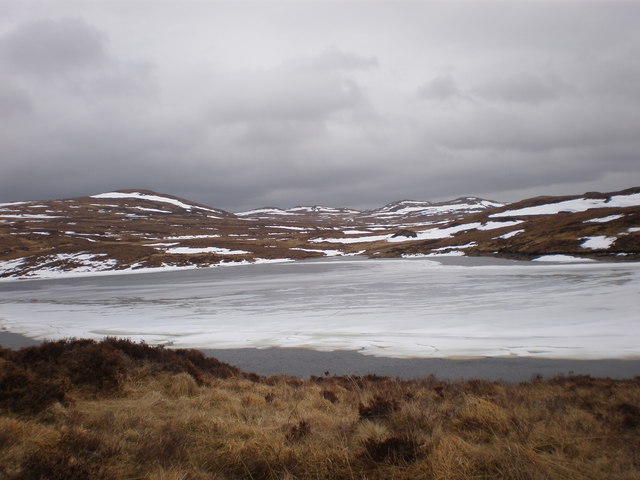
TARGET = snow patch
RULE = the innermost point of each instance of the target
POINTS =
(10, 266)
(371, 238)
(597, 243)
(562, 259)
(190, 237)
(286, 227)
(468, 245)
(436, 233)
(604, 219)
(452, 253)
(221, 250)
(155, 210)
(28, 216)
(152, 198)
(494, 225)
(327, 253)
(264, 211)
(510, 234)
(573, 206)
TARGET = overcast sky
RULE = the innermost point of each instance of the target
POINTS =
(241, 104)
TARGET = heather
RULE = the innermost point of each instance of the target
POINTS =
(116, 409)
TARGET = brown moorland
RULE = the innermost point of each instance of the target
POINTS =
(115, 409)
(135, 229)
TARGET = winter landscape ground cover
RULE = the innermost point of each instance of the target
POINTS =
(114, 410)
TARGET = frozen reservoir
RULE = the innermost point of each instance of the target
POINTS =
(436, 307)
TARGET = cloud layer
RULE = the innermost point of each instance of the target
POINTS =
(245, 104)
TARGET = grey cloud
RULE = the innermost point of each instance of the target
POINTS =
(528, 88)
(335, 59)
(369, 104)
(291, 104)
(14, 100)
(620, 80)
(290, 91)
(274, 95)
(570, 126)
(122, 80)
(53, 47)
(441, 88)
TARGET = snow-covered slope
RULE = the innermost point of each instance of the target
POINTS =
(595, 225)
(580, 204)
(397, 212)
(415, 208)
(138, 230)
(154, 198)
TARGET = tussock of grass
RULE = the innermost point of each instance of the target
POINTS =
(120, 410)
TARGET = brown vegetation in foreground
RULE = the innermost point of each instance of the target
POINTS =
(120, 410)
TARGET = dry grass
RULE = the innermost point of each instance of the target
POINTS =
(159, 415)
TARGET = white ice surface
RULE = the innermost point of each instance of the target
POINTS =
(404, 307)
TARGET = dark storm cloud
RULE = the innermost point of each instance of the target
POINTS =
(243, 104)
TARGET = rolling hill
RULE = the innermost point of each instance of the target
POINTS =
(139, 230)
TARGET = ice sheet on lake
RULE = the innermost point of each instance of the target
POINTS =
(394, 307)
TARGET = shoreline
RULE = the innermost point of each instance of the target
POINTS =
(300, 362)
(303, 363)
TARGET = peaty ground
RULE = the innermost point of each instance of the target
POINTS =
(120, 410)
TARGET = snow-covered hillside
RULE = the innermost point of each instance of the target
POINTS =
(138, 230)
